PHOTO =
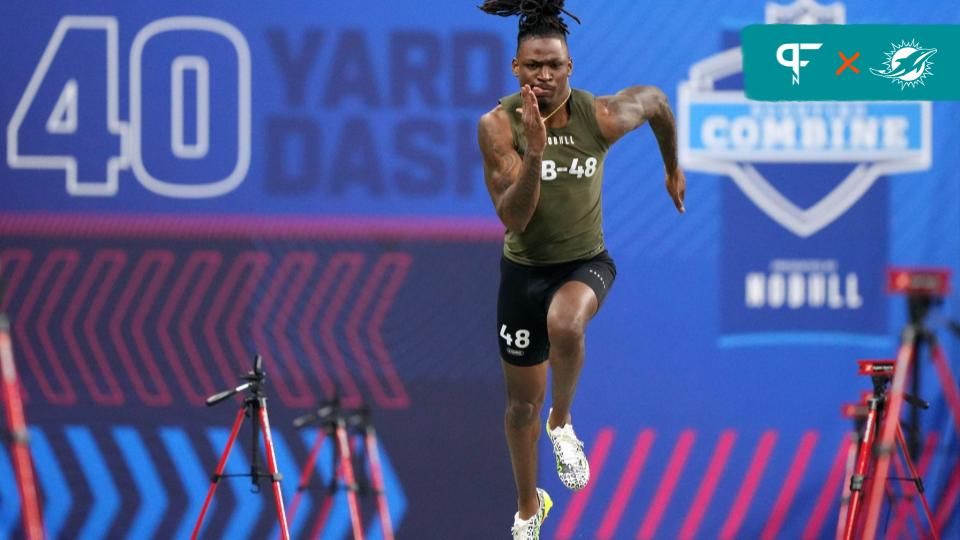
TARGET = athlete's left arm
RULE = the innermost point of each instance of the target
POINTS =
(632, 107)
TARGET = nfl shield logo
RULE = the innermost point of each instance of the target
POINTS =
(722, 132)
(787, 275)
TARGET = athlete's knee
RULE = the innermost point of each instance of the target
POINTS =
(565, 332)
(521, 412)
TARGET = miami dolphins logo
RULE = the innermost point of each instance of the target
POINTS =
(907, 64)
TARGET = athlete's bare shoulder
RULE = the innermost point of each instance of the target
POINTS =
(494, 126)
(496, 116)
(501, 162)
(602, 107)
(628, 109)
(601, 104)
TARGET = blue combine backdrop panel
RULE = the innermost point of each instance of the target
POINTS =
(187, 184)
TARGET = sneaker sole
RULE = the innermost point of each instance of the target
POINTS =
(546, 425)
(547, 505)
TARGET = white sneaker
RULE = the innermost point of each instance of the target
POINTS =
(529, 529)
(572, 465)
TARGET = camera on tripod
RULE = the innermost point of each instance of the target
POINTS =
(254, 406)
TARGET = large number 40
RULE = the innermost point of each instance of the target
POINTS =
(62, 118)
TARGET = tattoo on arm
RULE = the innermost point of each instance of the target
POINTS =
(639, 104)
(513, 181)
(665, 130)
(522, 197)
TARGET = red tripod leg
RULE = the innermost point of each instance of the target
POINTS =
(860, 472)
(19, 450)
(327, 505)
(918, 483)
(900, 517)
(886, 437)
(346, 462)
(216, 475)
(376, 471)
(306, 473)
(324, 513)
(949, 497)
(900, 509)
(952, 395)
(950, 391)
(845, 493)
(272, 467)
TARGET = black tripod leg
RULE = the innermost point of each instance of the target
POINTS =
(913, 431)
(254, 406)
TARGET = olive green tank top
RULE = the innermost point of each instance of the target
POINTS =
(567, 222)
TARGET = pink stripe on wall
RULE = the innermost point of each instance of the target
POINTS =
(239, 226)
(621, 496)
(661, 499)
(749, 487)
(579, 501)
(701, 501)
(830, 493)
(12, 278)
(797, 469)
(61, 393)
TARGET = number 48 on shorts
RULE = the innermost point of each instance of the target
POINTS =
(520, 340)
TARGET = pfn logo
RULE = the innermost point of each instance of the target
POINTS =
(794, 62)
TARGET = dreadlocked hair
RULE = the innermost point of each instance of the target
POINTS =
(537, 17)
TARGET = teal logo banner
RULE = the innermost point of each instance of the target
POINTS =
(817, 62)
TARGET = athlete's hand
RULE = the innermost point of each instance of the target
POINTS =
(533, 126)
(677, 188)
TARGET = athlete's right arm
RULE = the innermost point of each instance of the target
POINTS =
(513, 182)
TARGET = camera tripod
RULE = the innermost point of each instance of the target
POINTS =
(875, 453)
(924, 288)
(19, 449)
(337, 423)
(255, 407)
(19, 437)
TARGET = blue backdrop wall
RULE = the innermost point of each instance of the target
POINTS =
(188, 183)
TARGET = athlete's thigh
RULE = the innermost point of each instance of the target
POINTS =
(572, 305)
(579, 295)
(597, 273)
(527, 384)
(521, 315)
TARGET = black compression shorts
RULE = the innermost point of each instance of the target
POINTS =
(525, 295)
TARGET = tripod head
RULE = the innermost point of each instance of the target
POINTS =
(257, 367)
(358, 418)
(254, 407)
(256, 376)
(326, 414)
(881, 374)
(924, 288)
(254, 382)
(919, 306)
